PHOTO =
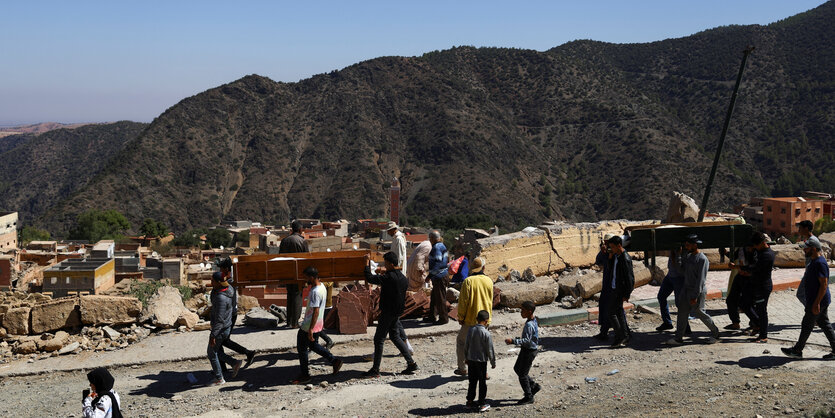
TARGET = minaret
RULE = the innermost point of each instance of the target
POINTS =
(395, 201)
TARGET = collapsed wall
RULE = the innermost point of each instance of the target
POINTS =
(549, 248)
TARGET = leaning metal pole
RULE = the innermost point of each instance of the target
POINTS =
(724, 132)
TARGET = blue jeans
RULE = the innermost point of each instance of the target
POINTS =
(216, 354)
(304, 344)
(670, 285)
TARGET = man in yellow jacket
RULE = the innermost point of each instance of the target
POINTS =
(476, 295)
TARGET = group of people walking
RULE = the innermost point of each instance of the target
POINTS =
(749, 289)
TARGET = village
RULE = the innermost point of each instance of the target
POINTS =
(108, 302)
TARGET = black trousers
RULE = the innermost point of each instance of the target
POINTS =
(757, 312)
(303, 344)
(809, 321)
(294, 305)
(734, 299)
(617, 319)
(523, 367)
(603, 313)
(389, 324)
(478, 377)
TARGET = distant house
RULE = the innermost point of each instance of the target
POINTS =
(79, 277)
(8, 231)
(781, 214)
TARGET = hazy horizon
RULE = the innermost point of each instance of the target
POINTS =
(105, 62)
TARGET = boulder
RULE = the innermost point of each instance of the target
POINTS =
(260, 318)
(588, 285)
(528, 276)
(53, 344)
(682, 208)
(163, 308)
(55, 314)
(3, 333)
(246, 303)
(188, 318)
(16, 320)
(542, 291)
(26, 347)
(113, 310)
(452, 295)
(196, 302)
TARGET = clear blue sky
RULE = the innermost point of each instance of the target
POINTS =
(89, 61)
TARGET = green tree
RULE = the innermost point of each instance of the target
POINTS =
(30, 233)
(217, 237)
(151, 228)
(188, 239)
(242, 236)
(824, 225)
(94, 225)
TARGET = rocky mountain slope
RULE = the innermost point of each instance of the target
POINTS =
(584, 131)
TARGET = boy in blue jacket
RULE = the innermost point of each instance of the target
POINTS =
(529, 344)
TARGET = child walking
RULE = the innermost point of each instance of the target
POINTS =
(479, 349)
(529, 344)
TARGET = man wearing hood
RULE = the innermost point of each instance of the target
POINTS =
(224, 310)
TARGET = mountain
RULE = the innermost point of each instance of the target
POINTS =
(37, 128)
(40, 170)
(584, 131)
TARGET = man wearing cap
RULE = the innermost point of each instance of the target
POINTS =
(476, 295)
(398, 245)
(760, 285)
(294, 243)
(602, 260)
(817, 299)
(438, 277)
(695, 266)
(623, 281)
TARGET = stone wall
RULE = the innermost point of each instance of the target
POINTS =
(548, 248)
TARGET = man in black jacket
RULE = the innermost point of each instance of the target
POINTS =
(393, 286)
(294, 243)
(760, 286)
(623, 281)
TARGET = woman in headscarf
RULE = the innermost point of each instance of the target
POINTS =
(103, 401)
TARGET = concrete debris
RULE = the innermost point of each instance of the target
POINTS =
(112, 310)
(682, 208)
(55, 314)
(69, 348)
(452, 295)
(528, 276)
(260, 318)
(164, 308)
(543, 291)
(111, 333)
(515, 276)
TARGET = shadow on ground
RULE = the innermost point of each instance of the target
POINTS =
(461, 408)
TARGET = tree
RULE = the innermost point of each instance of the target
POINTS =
(94, 225)
(217, 237)
(151, 228)
(824, 225)
(30, 233)
(188, 239)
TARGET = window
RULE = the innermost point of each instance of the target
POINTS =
(817, 210)
(796, 213)
(782, 210)
(54, 280)
(68, 280)
(783, 224)
(769, 208)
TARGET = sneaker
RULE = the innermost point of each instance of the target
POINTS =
(373, 373)
(217, 382)
(250, 355)
(236, 368)
(329, 345)
(665, 326)
(301, 380)
(535, 389)
(409, 346)
(829, 356)
(601, 336)
(526, 400)
(337, 364)
(484, 408)
(368, 357)
(673, 341)
(791, 352)
(712, 340)
(732, 326)
(411, 368)
(460, 372)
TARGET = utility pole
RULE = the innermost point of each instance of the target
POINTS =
(706, 197)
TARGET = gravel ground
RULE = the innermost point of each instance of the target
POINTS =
(732, 378)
